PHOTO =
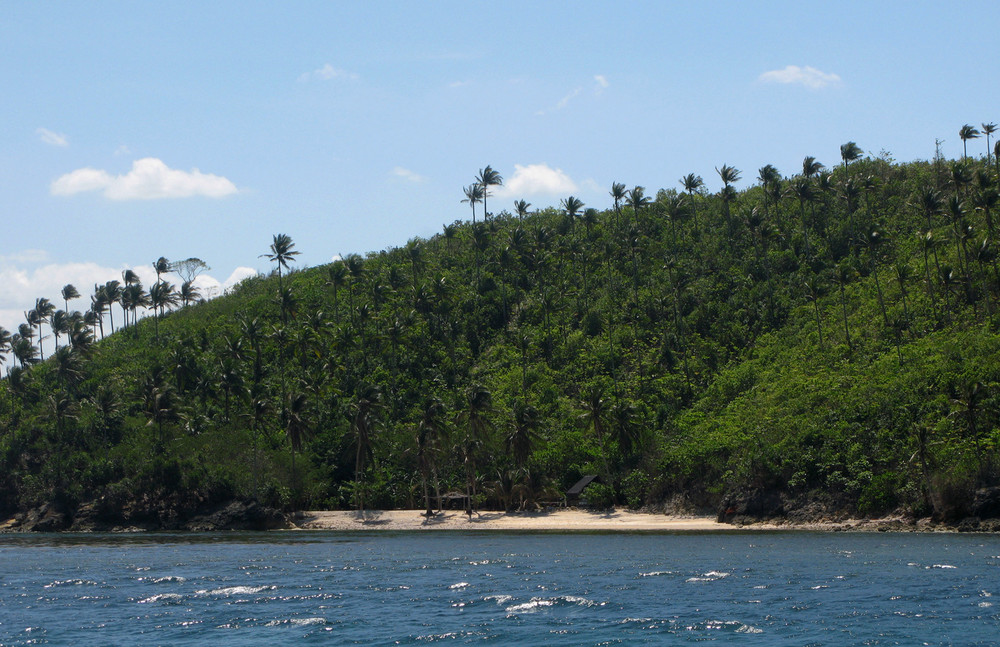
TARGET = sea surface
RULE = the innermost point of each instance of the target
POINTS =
(777, 588)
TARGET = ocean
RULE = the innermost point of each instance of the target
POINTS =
(383, 588)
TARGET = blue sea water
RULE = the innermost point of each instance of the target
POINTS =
(784, 588)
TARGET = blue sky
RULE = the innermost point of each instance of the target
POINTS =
(138, 130)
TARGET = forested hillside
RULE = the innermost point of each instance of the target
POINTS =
(822, 342)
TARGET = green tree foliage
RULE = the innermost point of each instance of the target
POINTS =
(829, 338)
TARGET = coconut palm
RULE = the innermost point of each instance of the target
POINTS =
(988, 129)
(521, 208)
(637, 199)
(476, 418)
(523, 433)
(810, 166)
(849, 152)
(363, 427)
(189, 293)
(282, 253)
(571, 206)
(618, 195)
(112, 294)
(69, 292)
(692, 183)
(430, 431)
(967, 132)
(474, 194)
(488, 177)
(297, 427)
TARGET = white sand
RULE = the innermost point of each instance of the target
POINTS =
(559, 520)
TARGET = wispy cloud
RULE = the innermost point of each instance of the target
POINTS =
(600, 84)
(52, 138)
(536, 179)
(149, 179)
(407, 175)
(810, 77)
(327, 73)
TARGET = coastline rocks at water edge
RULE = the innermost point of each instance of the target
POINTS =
(90, 517)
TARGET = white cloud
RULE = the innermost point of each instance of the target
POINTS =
(536, 179)
(327, 73)
(808, 76)
(149, 179)
(602, 83)
(52, 138)
(122, 150)
(27, 275)
(407, 175)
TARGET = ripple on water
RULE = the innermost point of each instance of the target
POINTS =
(296, 622)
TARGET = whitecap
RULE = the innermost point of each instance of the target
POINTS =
(748, 629)
(530, 607)
(296, 622)
(459, 585)
(163, 580)
(943, 566)
(70, 583)
(655, 573)
(237, 590)
(162, 597)
(500, 599)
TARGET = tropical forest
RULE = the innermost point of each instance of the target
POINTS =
(820, 343)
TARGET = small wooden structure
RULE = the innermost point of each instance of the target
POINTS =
(574, 493)
(454, 501)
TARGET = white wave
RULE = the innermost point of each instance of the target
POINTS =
(238, 590)
(162, 597)
(296, 622)
(530, 607)
(70, 583)
(748, 629)
(710, 576)
(943, 566)
(500, 599)
(535, 604)
(459, 585)
(162, 580)
(655, 573)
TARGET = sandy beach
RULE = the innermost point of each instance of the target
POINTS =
(565, 520)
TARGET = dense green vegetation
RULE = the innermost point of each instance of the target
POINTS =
(826, 340)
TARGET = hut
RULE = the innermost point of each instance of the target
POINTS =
(574, 493)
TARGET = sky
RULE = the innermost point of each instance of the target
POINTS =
(135, 130)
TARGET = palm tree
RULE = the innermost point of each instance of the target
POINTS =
(430, 430)
(112, 294)
(296, 424)
(479, 406)
(729, 176)
(474, 194)
(523, 434)
(162, 266)
(488, 177)
(572, 207)
(363, 426)
(988, 129)
(843, 274)
(161, 296)
(281, 253)
(967, 132)
(692, 183)
(618, 195)
(69, 293)
(43, 311)
(189, 293)
(595, 416)
(849, 152)
(59, 323)
(810, 166)
(637, 199)
(521, 208)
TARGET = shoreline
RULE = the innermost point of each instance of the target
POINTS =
(578, 520)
